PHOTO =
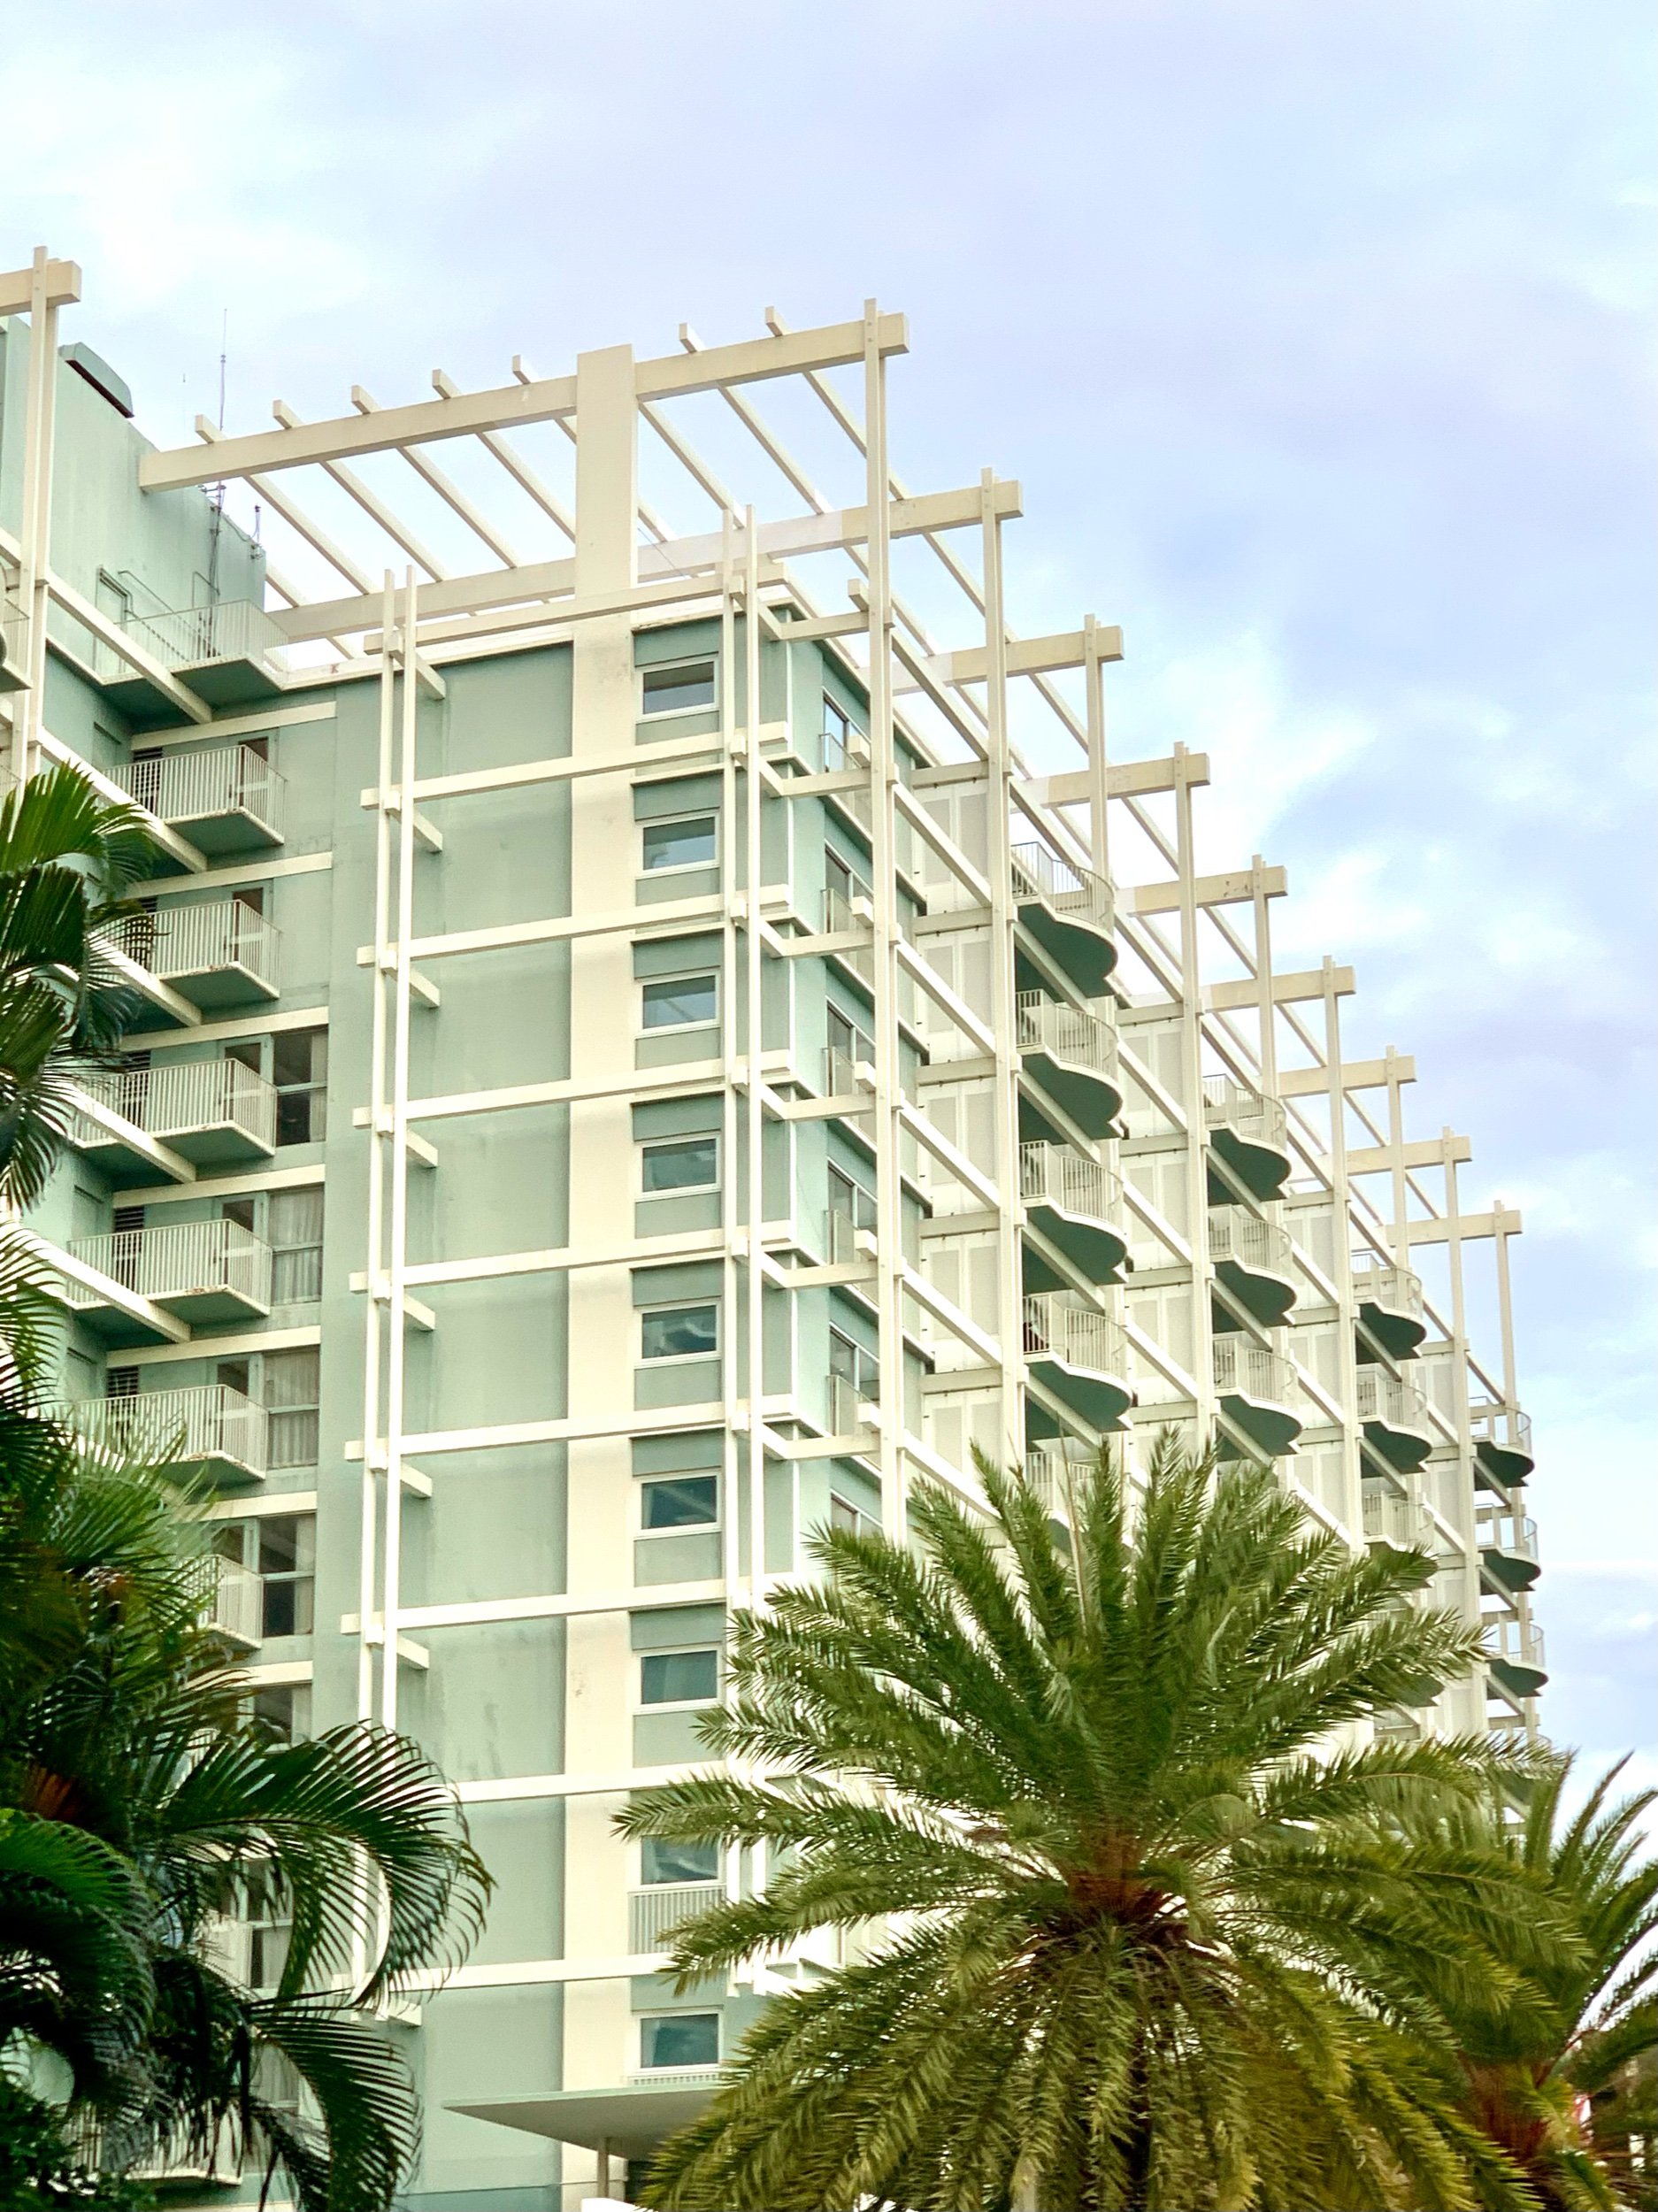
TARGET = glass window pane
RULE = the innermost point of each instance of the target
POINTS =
(671, 690)
(682, 999)
(686, 1164)
(843, 1356)
(682, 1501)
(679, 1332)
(660, 1861)
(679, 1678)
(690, 844)
(682, 2038)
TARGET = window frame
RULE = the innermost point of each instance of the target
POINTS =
(708, 660)
(676, 1029)
(646, 2019)
(860, 1523)
(678, 1305)
(677, 1881)
(711, 1526)
(641, 1704)
(671, 821)
(647, 1144)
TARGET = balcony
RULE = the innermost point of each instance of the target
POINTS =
(237, 1610)
(230, 654)
(1071, 1200)
(1068, 911)
(1248, 1132)
(1394, 1416)
(852, 918)
(853, 1407)
(653, 1913)
(1515, 1655)
(1257, 1389)
(211, 1429)
(1389, 1301)
(1396, 1523)
(1508, 1547)
(210, 1112)
(218, 953)
(1072, 1057)
(1254, 1259)
(1502, 1442)
(199, 1271)
(224, 798)
(1079, 1356)
(1055, 1469)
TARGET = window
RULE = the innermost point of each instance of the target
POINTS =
(287, 1553)
(844, 744)
(679, 1678)
(293, 1391)
(681, 1002)
(679, 1163)
(676, 686)
(283, 1711)
(844, 1514)
(851, 1364)
(679, 1331)
(674, 1502)
(691, 842)
(679, 2038)
(299, 1069)
(270, 1926)
(660, 1861)
(295, 1241)
(851, 1199)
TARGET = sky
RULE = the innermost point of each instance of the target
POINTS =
(1319, 338)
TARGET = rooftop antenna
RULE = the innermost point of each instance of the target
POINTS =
(217, 524)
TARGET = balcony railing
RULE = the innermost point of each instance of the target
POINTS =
(1046, 1024)
(1519, 1642)
(652, 1912)
(852, 1406)
(1038, 874)
(201, 940)
(1393, 1401)
(184, 1260)
(1055, 1469)
(1378, 1282)
(1059, 1175)
(189, 637)
(841, 916)
(841, 1067)
(1236, 1234)
(181, 1101)
(209, 1421)
(207, 783)
(1250, 1115)
(1498, 1528)
(679, 2077)
(1075, 1334)
(237, 1610)
(1390, 1519)
(1241, 1366)
(1505, 1426)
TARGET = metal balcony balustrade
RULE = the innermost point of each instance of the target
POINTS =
(1059, 1175)
(204, 1109)
(852, 1406)
(1073, 1203)
(212, 791)
(1392, 1399)
(1075, 1334)
(1403, 1523)
(190, 637)
(681, 2076)
(841, 1067)
(1073, 1056)
(652, 1912)
(1079, 1356)
(215, 1264)
(1068, 911)
(222, 947)
(1516, 1653)
(1243, 1368)
(1249, 1132)
(1508, 1544)
(210, 1423)
(1055, 1469)
(236, 1607)
(1235, 1233)
(1502, 1441)
(1390, 1303)
(1038, 874)
(841, 917)
(848, 1237)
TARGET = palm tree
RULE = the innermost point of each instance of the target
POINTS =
(1587, 2035)
(1132, 1926)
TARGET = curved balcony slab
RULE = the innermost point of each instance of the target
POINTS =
(1079, 1358)
(1069, 1201)
(1068, 912)
(1503, 1443)
(1255, 1389)
(1069, 1057)
(1394, 1419)
(1248, 1131)
(1253, 1259)
(1389, 1305)
(1507, 1547)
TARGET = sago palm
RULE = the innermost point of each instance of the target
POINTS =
(1136, 1932)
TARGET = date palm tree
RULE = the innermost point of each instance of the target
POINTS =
(1133, 1924)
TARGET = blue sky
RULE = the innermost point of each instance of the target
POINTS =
(1319, 338)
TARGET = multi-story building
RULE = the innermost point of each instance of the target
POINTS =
(654, 1042)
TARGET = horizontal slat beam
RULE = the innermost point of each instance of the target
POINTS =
(1377, 1159)
(1356, 1075)
(1233, 890)
(1026, 657)
(16, 287)
(1226, 998)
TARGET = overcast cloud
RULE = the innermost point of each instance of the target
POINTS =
(1319, 337)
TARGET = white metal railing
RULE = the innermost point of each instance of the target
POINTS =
(652, 1912)
(1499, 1529)
(1045, 1025)
(1041, 874)
(206, 782)
(1236, 1234)
(209, 1420)
(1059, 1175)
(1378, 1282)
(852, 1406)
(684, 2076)
(232, 629)
(1506, 1426)
(1391, 1399)
(1075, 1334)
(180, 1099)
(184, 1259)
(1507, 1636)
(182, 940)
(238, 1603)
(1246, 1112)
(1252, 1370)
(1055, 1468)
(1390, 1519)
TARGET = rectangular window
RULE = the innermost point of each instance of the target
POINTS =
(679, 1331)
(681, 1002)
(691, 842)
(679, 2038)
(288, 1562)
(677, 687)
(853, 1365)
(660, 1861)
(670, 1502)
(299, 1069)
(851, 1199)
(292, 1392)
(295, 1241)
(679, 1163)
(283, 1711)
(679, 1678)
(844, 1514)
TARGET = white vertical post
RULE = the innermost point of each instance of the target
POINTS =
(754, 1013)
(373, 1461)
(1263, 907)
(999, 840)
(1351, 1471)
(730, 1189)
(1196, 1120)
(36, 536)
